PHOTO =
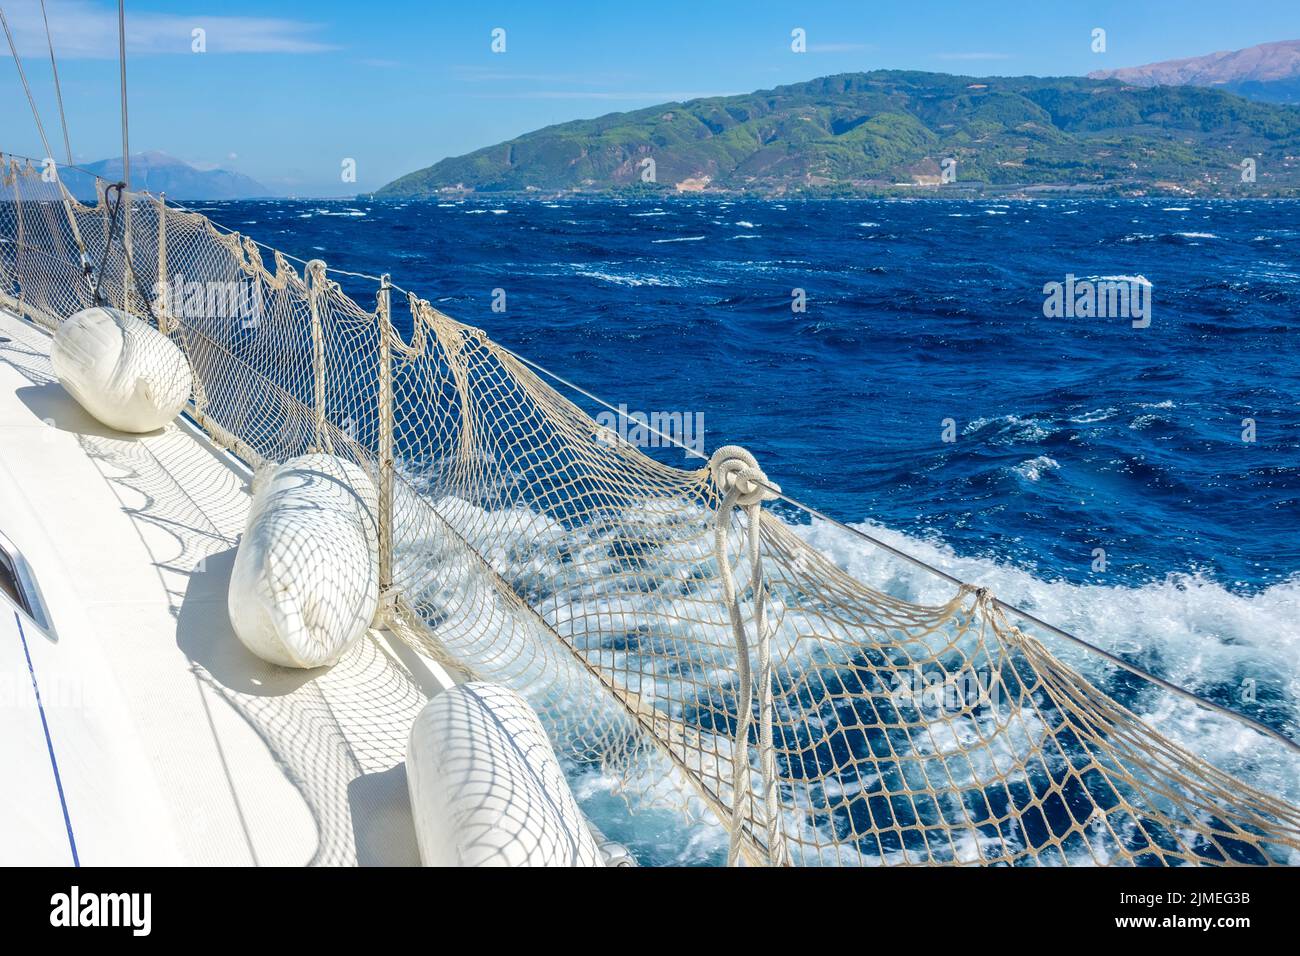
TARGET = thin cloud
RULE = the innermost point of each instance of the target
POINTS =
(973, 56)
(482, 74)
(840, 47)
(653, 97)
(84, 30)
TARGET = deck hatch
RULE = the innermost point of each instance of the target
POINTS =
(19, 584)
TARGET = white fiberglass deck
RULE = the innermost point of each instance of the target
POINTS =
(172, 742)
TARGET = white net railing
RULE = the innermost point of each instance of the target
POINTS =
(531, 547)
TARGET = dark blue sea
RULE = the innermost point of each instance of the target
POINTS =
(1173, 448)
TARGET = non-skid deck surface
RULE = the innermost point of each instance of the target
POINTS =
(254, 763)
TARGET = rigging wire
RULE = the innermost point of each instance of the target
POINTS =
(1006, 607)
(31, 100)
(58, 89)
(857, 532)
(121, 60)
(958, 582)
(73, 166)
(86, 265)
(182, 207)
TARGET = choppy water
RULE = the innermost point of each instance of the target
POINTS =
(1071, 434)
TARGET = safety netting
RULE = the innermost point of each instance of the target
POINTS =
(667, 627)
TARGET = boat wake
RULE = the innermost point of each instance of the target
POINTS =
(1239, 650)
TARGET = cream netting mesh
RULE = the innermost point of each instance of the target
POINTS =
(533, 548)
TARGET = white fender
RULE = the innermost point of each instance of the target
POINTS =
(305, 582)
(486, 787)
(125, 373)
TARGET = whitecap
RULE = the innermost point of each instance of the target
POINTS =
(1135, 280)
(1143, 422)
(1035, 468)
(1096, 415)
(1188, 629)
(615, 278)
(1014, 429)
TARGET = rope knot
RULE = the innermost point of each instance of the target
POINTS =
(743, 484)
(736, 470)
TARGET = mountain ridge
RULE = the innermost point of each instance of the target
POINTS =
(889, 131)
(1267, 71)
(159, 172)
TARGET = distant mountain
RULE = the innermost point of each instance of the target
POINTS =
(1268, 72)
(160, 173)
(869, 132)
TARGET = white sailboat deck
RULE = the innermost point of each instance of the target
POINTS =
(172, 743)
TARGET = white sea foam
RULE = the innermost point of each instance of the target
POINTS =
(1034, 468)
(1188, 629)
(1137, 280)
(1012, 429)
(1096, 415)
(678, 239)
(632, 281)
(1144, 421)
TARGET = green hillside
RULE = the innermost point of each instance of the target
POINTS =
(866, 132)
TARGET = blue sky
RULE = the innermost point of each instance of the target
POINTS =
(287, 90)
